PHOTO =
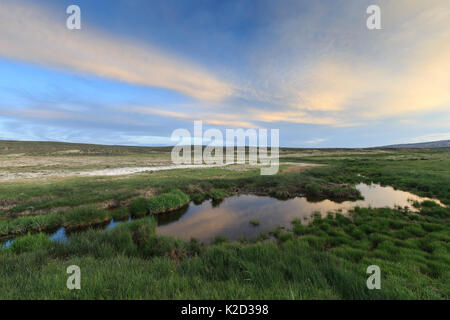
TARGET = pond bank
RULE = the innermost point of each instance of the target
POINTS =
(247, 216)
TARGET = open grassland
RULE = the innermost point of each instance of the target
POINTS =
(326, 259)
(423, 172)
(54, 157)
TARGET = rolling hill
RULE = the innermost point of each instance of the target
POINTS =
(423, 145)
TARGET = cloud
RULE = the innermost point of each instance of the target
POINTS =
(144, 110)
(231, 118)
(305, 65)
(213, 118)
(38, 114)
(353, 88)
(356, 76)
(28, 33)
(291, 116)
(315, 141)
(429, 137)
(423, 86)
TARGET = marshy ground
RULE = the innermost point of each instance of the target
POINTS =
(323, 258)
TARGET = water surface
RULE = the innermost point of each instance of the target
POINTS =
(231, 218)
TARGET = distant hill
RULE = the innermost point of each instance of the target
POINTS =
(61, 148)
(425, 145)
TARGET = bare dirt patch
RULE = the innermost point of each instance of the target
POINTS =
(68, 151)
(296, 167)
(11, 176)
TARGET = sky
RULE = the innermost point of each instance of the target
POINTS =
(139, 69)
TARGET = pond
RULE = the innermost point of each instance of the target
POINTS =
(231, 218)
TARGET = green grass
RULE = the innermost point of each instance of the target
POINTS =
(220, 239)
(325, 259)
(167, 202)
(76, 218)
(218, 194)
(199, 184)
(139, 207)
(30, 243)
(121, 214)
(23, 225)
(86, 215)
(313, 265)
(423, 172)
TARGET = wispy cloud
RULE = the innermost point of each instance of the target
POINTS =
(309, 68)
(429, 137)
(399, 71)
(213, 118)
(315, 141)
(31, 34)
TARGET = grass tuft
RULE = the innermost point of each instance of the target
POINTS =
(167, 202)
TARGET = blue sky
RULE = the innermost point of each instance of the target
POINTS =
(137, 70)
